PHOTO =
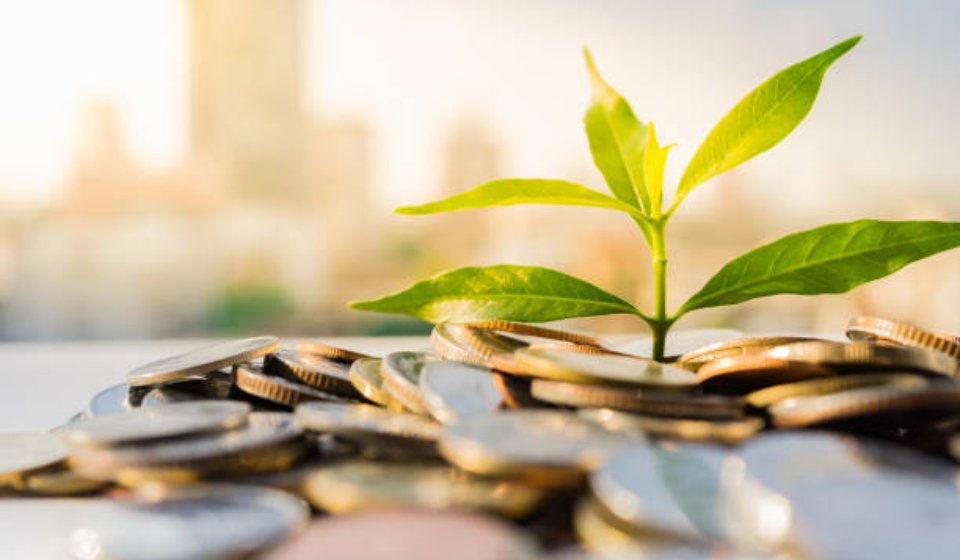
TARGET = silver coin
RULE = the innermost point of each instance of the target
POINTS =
(23, 453)
(110, 400)
(678, 342)
(677, 490)
(855, 498)
(154, 423)
(401, 373)
(456, 391)
(528, 438)
(187, 523)
(216, 386)
(263, 430)
(365, 422)
(201, 361)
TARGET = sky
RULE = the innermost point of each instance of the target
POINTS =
(883, 127)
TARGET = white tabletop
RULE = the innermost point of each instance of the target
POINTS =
(46, 383)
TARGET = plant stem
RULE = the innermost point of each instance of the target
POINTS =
(660, 323)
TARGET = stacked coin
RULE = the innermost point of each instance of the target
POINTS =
(579, 447)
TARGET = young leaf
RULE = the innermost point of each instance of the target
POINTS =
(654, 161)
(506, 192)
(616, 139)
(830, 259)
(761, 119)
(512, 293)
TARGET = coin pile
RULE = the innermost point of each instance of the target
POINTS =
(507, 440)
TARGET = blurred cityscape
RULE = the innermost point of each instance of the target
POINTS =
(268, 222)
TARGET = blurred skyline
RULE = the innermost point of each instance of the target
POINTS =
(886, 119)
(194, 167)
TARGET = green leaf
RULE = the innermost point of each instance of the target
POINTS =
(830, 259)
(617, 140)
(512, 293)
(654, 162)
(507, 192)
(761, 119)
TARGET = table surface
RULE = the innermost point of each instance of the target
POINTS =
(46, 383)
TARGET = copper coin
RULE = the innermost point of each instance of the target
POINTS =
(324, 374)
(330, 351)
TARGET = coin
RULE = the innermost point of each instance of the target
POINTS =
(269, 441)
(115, 398)
(217, 387)
(368, 424)
(859, 356)
(252, 380)
(658, 403)
(59, 482)
(678, 342)
(330, 351)
(736, 347)
(401, 372)
(594, 368)
(848, 506)
(162, 422)
(201, 361)
(21, 454)
(887, 330)
(769, 396)
(595, 529)
(365, 377)
(677, 491)
(515, 391)
(538, 331)
(360, 485)
(324, 374)
(204, 521)
(476, 346)
(408, 533)
(739, 375)
(726, 432)
(455, 391)
(933, 398)
(539, 445)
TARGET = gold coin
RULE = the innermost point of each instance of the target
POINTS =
(156, 423)
(737, 347)
(739, 375)
(22, 454)
(594, 368)
(252, 380)
(361, 485)
(859, 356)
(934, 398)
(541, 446)
(476, 346)
(725, 432)
(331, 352)
(596, 529)
(324, 374)
(879, 329)
(365, 377)
(59, 482)
(401, 372)
(202, 361)
(657, 403)
(269, 441)
(515, 391)
(765, 398)
(526, 329)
